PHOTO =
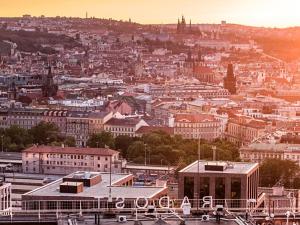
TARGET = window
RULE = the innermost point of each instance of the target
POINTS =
(235, 188)
(204, 187)
(220, 188)
(189, 187)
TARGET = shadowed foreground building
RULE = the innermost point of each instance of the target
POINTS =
(89, 190)
(221, 180)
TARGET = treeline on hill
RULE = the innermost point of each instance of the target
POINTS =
(161, 148)
(16, 139)
(284, 48)
(33, 41)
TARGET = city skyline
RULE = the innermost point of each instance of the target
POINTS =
(268, 13)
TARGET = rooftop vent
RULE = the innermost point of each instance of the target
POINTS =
(215, 167)
(71, 187)
(88, 179)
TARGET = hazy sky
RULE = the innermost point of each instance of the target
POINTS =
(250, 12)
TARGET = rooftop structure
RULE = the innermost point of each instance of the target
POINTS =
(221, 180)
(94, 186)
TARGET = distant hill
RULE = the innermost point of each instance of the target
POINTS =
(33, 41)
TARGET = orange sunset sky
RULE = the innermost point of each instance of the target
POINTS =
(279, 13)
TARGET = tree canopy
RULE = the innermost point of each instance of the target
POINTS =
(101, 140)
(277, 171)
(16, 138)
(161, 148)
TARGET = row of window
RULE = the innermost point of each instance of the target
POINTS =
(270, 155)
(68, 156)
(196, 125)
(119, 129)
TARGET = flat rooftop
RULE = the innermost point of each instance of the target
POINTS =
(100, 190)
(149, 167)
(230, 167)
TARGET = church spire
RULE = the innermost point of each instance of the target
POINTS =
(230, 80)
(178, 26)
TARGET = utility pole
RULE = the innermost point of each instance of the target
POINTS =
(2, 136)
(198, 173)
(109, 195)
(145, 149)
(214, 148)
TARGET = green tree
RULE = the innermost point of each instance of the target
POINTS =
(136, 152)
(101, 140)
(70, 141)
(273, 171)
(45, 133)
(16, 138)
(122, 143)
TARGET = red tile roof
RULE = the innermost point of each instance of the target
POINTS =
(70, 150)
(203, 69)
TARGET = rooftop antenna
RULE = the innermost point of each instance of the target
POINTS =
(214, 148)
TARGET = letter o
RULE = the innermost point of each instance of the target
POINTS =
(137, 204)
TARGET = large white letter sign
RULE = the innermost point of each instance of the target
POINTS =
(120, 203)
(207, 202)
(186, 206)
(166, 198)
(137, 203)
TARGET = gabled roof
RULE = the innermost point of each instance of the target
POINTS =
(70, 150)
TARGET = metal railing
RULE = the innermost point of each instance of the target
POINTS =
(275, 206)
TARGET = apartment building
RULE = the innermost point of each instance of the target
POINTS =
(77, 124)
(127, 126)
(58, 117)
(258, 152)
(24, 118)
(195, 126)
(243, 130)
(65, 160)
